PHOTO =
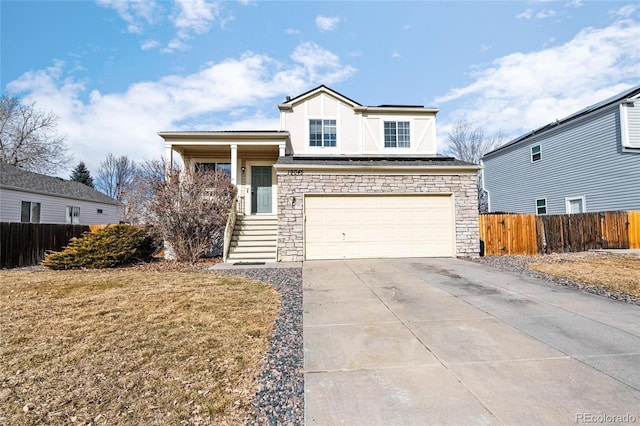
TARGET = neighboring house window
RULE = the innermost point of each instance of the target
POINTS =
(30, 212)
(541, 206)
(397, 134)
(322, 133)
(73, 215)
(575, 204)
(535, 153)
(211, 167)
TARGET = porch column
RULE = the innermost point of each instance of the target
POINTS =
(168, 158)
(234, 164)
(281, 149)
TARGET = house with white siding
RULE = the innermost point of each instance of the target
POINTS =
(32, 197)
(587, 162)
(339, 180)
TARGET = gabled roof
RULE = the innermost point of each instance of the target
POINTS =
(290, 102)
(616, 99)
(12, 177)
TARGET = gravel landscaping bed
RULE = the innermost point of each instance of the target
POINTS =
(280, 398)
(520, 265)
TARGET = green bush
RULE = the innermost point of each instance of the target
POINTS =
(106, 248)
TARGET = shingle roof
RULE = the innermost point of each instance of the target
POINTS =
(14, 178)
(600, 105)
(375, 161)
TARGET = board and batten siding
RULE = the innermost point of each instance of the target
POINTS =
(583, 158)
(53, 209)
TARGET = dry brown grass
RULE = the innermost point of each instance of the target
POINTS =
(130, 346)
(611, 271)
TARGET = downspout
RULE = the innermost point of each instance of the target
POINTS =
(228, 230)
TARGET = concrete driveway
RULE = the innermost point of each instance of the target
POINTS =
(446, 341)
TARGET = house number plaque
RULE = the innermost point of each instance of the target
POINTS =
(295, 172)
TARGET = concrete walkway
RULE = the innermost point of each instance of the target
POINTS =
(446, 341)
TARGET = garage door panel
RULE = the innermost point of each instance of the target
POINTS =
(355, 226)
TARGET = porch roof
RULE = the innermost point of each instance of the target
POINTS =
(225, 136)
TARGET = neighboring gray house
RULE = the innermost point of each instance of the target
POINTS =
(32, 197)
(587, 162)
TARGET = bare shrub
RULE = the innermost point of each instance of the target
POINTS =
(190, 210)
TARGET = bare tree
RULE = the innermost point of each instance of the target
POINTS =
(115, 176)
(29, 138)
(468, 142)
(190, 210)
(150, 173)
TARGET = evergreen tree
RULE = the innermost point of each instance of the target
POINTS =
(81, 174)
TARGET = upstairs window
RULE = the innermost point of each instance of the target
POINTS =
(397, 134)
(322, 133)
(73, 215)
(30, 212)
(541, 206)
(535, 153)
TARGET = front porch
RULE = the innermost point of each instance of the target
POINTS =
(248, 157)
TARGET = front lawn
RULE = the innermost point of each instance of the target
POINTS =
(131, 346)
(612, 272)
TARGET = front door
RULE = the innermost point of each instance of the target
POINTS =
(261, 189)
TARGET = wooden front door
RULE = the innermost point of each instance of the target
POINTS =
(261, 189)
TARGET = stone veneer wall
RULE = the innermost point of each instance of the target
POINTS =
(290, 217)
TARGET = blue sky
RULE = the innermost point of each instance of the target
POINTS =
(116, 72)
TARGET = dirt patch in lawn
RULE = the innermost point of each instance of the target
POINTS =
(614, 272)
(131, 346)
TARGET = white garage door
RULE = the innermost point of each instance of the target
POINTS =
(369, 226)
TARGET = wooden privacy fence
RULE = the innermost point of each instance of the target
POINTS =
(24, 244)
(531, 234)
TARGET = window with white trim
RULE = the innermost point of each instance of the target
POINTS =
(536, 153)
(30, 212)
(322, 133)
(397, 134)
(575, 205)
(73, 215)
(541, 206)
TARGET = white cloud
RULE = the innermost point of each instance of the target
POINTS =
(624, 11)
(149, 44)
(523, 91)
(195, 16)
(395, 54)
(188, 17)
(527, 14)
(126, 123)
(135, 13)
(542, 14)
(327, 23)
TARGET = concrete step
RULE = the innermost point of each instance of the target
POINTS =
(254, 243)
(255, 237)
(254, 249)
(269, 228)
(251, 257)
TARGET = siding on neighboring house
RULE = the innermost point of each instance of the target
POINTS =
(581, 158)
(53, 209)
(633, 124)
